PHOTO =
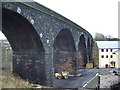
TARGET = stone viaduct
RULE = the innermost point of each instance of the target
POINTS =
(42, 40)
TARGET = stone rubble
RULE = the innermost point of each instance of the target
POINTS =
(106, 81)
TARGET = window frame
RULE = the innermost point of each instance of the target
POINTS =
(102, 56)
(111, 56)
(106, 56)
(102, 50)
(111, 50)
(106, 50)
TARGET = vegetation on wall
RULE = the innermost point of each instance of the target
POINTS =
(95, 55)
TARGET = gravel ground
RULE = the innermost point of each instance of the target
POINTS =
(106, 81)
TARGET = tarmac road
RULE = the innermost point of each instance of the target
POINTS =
(76, 81)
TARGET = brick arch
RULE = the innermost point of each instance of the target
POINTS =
(82, 54)
(28, 50)
(64, 51)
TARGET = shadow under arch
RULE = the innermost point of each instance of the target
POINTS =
(82, 54)
(64, 52)
(28, 50)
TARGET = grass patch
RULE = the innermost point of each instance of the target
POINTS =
(10, 81)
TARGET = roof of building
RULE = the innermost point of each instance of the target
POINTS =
(117, 51)
(108, 44)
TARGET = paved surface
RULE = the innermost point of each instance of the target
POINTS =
(76, 81)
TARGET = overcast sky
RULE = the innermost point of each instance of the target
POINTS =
(96, 16)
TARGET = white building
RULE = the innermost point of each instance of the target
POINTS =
(108, 54)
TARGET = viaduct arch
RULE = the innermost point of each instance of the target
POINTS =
(41, 39)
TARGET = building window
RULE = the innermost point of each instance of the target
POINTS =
(106, 56)
(111, 50)
(111, 56)
(102, 50)
(106, 50)
(102, 56)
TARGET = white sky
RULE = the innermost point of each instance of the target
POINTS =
(96, 16)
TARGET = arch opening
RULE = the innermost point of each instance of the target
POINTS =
(64, 52)
(28, 50)
(6, 53)
(82, 54)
